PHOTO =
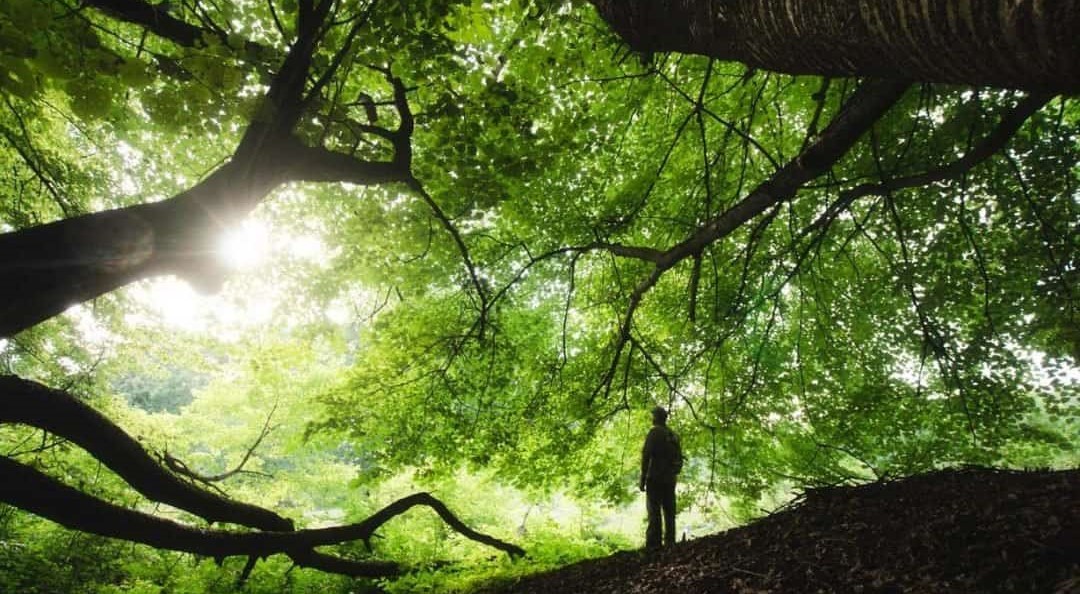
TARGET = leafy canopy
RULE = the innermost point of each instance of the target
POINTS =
(829, 338)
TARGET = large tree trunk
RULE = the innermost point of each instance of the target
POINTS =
(48, 268)
(1022, 44)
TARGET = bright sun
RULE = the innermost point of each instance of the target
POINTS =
(246, 246)
(250, 250)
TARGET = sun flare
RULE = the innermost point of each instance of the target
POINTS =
(246, 246)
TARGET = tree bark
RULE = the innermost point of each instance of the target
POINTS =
(29, 403)
(1021, 44)
(48, 268)
(33, 491)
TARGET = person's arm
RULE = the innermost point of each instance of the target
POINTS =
(679, 460)
(646, 459)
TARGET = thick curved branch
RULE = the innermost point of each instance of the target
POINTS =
(365, 529)
(154, 18)
(994, 142)
(1007, 128)
(646, 254)
(33, 491)
(319, 164)
(859, 114)
(30, 403)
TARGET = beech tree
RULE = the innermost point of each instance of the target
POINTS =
(48, 267)
(1006, 43)
(826, 279)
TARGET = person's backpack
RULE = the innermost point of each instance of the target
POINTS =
(675, 447)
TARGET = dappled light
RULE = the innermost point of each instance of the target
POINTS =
(539, 296)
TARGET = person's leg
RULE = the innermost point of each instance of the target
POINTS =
(652, 507)
(669, 514)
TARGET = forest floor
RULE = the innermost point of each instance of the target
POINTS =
(970, 530)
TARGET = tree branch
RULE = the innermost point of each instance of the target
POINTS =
(178, 466)
(863, 110)
(319, 164)
(459, 242)
(33, 491)
(154, 18)
(868, 104)
(30, 403)
(1007, 128)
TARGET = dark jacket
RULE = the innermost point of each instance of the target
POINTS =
(661, 457)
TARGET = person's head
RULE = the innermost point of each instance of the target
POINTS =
(659, 416)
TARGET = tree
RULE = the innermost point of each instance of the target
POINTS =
(828, 280)
(1015, 45)
(48, 267)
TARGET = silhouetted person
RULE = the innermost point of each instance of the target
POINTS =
(661, 461)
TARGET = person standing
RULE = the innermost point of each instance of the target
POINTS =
(661, 462)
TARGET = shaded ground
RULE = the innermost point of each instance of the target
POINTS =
(961, 531)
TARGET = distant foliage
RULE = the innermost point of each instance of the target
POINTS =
(160, 394)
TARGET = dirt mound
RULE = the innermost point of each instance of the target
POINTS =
(971, 530)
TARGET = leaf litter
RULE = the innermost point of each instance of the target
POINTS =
(962, 530)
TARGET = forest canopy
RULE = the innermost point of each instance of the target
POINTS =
(270, 269)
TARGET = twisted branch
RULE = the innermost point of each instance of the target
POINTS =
(30, 403)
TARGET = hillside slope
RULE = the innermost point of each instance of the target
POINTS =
(971, 530)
